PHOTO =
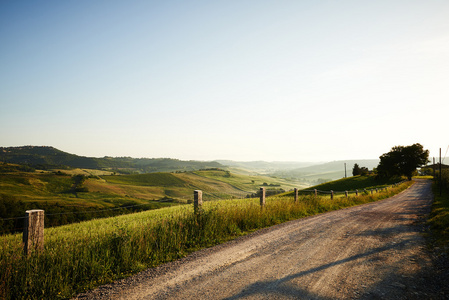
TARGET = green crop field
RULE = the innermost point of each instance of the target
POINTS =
(149, 179)
(353, 183)
(62, 191)
(250, 183)
(84, 255)
(57, 194)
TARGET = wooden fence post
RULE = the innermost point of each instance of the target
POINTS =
(346, 194)
(356, 192)
(33, 231)
(316, 192)
(262, 197)
(332, 195)
(197, 200)
(296, 195)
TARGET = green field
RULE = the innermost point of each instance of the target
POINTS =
(55, 192)
(355, 182)
(250, 183)
(82, 256)
(55, 187)
(101, 194)
(149, 179)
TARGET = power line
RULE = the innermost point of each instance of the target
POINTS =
(95, 211)
(12, 218)
(86, 211)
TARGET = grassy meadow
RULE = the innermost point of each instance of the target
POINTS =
(81, 256)
(353, 183)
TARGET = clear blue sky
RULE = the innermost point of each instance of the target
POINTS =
(241, 80)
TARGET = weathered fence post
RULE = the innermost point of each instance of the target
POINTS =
(316, 192)
(346, 194)
(296, 195)
(33, 231)
(377, 190)
(371, 191)
(332, 195)
(356, 192)
(197, 200)
(262, 197)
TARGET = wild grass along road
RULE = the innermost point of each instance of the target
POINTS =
(372, 251)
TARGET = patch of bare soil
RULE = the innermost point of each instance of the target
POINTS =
(372, 251)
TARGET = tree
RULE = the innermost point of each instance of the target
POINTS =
(402, 160)
(364, 171)
(359, 170)
(356, 170)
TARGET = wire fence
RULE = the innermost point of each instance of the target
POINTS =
(207, 196)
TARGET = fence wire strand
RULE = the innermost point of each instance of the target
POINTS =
(208, 196)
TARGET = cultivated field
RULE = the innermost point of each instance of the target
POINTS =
(65, 194)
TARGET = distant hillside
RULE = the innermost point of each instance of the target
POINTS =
(50, 157)
(265, 167)
(43, 156)
(328, 171)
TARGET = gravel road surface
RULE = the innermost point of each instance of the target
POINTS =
(372, 251)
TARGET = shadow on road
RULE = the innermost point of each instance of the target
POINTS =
(281, 286)
(393, 282)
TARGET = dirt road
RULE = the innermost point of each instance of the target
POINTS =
(373, 251)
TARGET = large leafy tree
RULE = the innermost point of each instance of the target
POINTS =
(402, 160)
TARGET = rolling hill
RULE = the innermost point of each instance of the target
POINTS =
(73, 195)
(320, 173)
(309, 173)
(264, 167)
(45, 157)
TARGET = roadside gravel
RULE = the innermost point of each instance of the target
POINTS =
(372, 251)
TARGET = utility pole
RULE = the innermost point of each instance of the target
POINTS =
(441, 185)
(434, 168)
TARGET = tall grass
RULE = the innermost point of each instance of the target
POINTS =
(81, 256)
(439, 216)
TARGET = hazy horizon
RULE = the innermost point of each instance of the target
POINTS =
(302, 81)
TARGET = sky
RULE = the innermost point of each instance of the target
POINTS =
(241, 80)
